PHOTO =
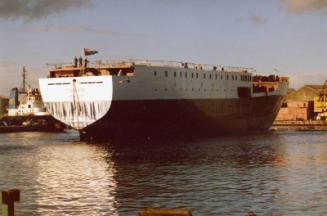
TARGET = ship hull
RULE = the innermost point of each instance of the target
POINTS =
(148, 101)
(28, 123)
(184, 118)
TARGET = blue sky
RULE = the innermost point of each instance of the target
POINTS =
(287, 36)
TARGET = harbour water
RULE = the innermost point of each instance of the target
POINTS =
(277, 173)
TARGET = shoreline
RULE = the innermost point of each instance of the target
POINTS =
(300, 125)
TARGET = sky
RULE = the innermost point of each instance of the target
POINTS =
(285, 37)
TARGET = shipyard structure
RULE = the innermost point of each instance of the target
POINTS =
(156, 98)
(306, 103)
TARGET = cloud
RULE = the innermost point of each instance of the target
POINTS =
(257, 20)
(36, 9)
(81, 29)
(69, 29)
(301, 6)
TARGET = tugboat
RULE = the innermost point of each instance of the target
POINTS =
(26, 111)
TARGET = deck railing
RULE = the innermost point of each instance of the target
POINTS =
(159, 63)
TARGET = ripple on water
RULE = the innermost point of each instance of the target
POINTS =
(270, 174)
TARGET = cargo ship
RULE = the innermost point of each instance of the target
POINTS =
(109, 100)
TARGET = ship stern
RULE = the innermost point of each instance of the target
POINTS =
(77, 101)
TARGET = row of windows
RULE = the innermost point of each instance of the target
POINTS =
(204, 75)
(192, 89)
(245, 78)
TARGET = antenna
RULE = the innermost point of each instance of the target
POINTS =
(24, 75)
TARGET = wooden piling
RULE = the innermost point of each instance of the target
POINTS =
(164, 212)
(8, 199)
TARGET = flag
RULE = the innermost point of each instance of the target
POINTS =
(88, 52)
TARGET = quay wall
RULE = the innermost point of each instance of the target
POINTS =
(300, 125)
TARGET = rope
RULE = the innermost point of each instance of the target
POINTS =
(75, 101)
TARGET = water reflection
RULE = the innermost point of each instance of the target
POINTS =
(270, 174)
(304, 180)
(76, 178)
(206, 176)
(59, 178)
(220, 176)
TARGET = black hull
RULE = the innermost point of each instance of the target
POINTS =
(30, 128)
(184, 118)
(30, 123)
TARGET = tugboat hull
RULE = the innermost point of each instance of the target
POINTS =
(30, 123)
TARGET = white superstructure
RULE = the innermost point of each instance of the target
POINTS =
(30, 104)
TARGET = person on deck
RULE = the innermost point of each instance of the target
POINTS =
(86, 63)
(80, 61)
(75, 61)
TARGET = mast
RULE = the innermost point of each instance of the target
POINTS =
(24, 76)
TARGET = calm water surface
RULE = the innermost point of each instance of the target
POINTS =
(280, 173)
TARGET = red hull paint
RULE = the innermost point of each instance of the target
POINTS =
(184, 118)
